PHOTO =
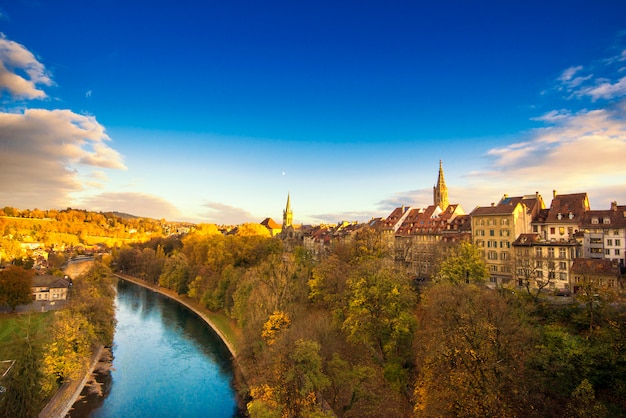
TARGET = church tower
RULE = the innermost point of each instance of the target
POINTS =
(440, 191)
(287, 214)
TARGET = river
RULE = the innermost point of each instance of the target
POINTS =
(167, 362)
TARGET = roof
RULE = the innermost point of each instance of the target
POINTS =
(616, 218)
(507, 205)
(269, 223)
(55, 282)
(567, 208)
(593, 266)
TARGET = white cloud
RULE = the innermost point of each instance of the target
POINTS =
(40, 151)
(21, 72)
(605, 89)
(578, 152)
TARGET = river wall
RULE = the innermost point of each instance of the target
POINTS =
(68, 393)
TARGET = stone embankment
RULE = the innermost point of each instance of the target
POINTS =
(62, 401)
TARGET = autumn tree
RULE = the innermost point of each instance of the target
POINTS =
(463, 263)
(69, 350)
(175, 274)
(472, 355)
(15, 286)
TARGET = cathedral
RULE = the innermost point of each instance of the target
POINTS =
(440, 191)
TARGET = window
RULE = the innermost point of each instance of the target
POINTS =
(504, 255)
(504, 222)
(551, 275)
(617, 252)
(492, 255)
(480, 232)
(607, 252)
(570, 231)
(538, 264)
(616, 232)
(552, 230)
(538, 252)
(595, 240)
(539, 274)
(493, 268)
(606, 221)
(618, 243)
(535, 229)
(492, 233)
(611, 283)
(563, 265)
(551, 252)
(562, 253)
(609, 242)
(563, 277)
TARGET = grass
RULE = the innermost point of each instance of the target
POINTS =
(227, 327)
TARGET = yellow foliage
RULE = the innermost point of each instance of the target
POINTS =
(277, 321)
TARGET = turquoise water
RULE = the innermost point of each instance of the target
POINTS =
(167, 362)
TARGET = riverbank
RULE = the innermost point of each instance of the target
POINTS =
(220, 323)
(67, 394)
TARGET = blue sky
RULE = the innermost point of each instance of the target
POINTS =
(214, 111)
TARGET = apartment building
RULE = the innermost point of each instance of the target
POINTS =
(605, 234)
(496, 227)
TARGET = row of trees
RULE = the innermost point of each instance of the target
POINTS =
(49, 350)
(350, 335)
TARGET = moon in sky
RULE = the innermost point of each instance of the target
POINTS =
(283, 173)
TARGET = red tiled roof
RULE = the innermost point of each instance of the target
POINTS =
(593, 266)
(570, 208)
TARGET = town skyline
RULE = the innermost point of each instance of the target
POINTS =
(215, 113)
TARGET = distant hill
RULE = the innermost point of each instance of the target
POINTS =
(124, 215)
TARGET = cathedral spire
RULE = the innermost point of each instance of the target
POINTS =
(287, 213)
(440, 191)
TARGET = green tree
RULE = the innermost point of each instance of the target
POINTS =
(380, 316)
(23, 395)
(464, 263)
(15, 286)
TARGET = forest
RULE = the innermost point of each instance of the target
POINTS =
(349, 334)
(58, 229)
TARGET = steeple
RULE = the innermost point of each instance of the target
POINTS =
(440, 191)
(287, 214)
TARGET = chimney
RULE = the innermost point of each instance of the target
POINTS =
(553, 194)
(614, 206)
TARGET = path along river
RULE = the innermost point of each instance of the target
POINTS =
(167, 362)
